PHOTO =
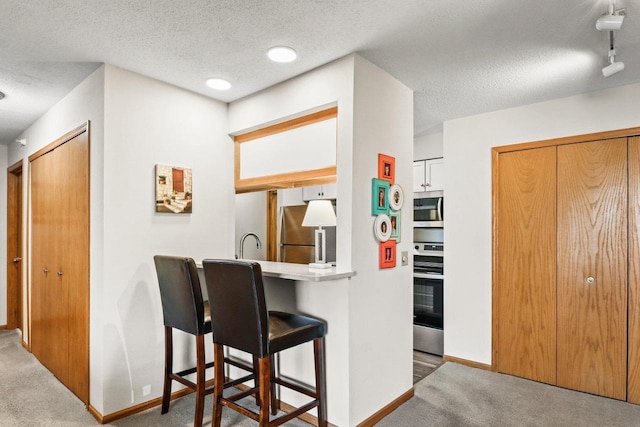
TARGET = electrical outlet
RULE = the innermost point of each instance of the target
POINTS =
(146, 390)
(405, 257)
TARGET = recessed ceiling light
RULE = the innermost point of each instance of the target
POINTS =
(282, 54)
(218, 84)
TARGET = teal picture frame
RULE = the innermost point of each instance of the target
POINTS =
(394, 219)
(379, 196)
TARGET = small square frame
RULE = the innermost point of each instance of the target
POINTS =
(388, 254)
(386, 168)
(379, 196)
(394, 218)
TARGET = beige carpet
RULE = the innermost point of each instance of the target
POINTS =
(456, 395)
(31, 396)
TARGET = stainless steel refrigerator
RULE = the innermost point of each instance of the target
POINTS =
(297, 242)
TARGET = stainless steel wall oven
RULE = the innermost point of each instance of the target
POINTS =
(428, 297)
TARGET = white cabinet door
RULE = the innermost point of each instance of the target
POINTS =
(435, 174)
(324, 191)
(418, 176)
(290, 196)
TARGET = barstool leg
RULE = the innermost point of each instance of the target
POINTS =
(256, 380)
(321, 388)
(274, 401)
(265, 387)
(168, 369)
(218, 383)
(200, 383)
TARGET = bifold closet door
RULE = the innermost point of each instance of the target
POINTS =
(60, 262)
(633, 377)
(525, 286)
(592, 267)
(74, 267)
(50, 333)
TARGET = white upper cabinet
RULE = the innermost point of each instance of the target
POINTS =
(428, 175)
(324, 191)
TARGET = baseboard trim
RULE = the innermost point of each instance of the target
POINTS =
(132, 410)
(466, 362)
(95, 413)
(375, 418)
(3, 327)
(306, 417)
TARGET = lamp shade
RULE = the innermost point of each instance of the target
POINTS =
(319, 213)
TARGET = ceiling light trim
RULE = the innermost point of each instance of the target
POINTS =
(282, 54)
(218, 83)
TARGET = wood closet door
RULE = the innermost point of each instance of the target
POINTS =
(592, 243)
(525, 287)
(49, 332)
(633, 386)
(75, 259)
(60, 244)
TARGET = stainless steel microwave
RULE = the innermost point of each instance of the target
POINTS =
(428, 211)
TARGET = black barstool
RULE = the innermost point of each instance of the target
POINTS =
(184, 309)
(239, 319)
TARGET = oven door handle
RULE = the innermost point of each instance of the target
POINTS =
(428, 275)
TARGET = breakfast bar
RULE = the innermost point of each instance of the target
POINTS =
(321, 294)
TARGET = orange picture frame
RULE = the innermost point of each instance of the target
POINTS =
(386, 168)
(388, 254)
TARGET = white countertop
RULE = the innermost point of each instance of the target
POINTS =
(287, 270)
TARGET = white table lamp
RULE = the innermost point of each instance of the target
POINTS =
(320, 214)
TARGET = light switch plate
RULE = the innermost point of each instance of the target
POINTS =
(404, 256)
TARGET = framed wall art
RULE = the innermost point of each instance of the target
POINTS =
(396, 197)
(379, 196)
(386, 168)
(388, 254)
(394, 221)
(174, 192)
(382, 227)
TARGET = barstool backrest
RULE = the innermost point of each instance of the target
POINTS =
(239, 316)
(181, 295)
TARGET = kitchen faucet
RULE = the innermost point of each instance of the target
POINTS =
(242, 239)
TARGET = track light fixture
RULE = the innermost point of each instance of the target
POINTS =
(612, 21)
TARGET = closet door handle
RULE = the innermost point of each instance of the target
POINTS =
(59, 273)
(46, 270)
(590, 280)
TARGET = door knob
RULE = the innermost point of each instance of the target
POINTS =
(590, 280)
(17, 259)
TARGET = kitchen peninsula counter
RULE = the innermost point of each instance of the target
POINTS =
(293, 288)
(291, 271)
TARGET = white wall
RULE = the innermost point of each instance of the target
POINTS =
(251, 217)
(370, 315)
(3, 240)
(428, 146)
(331, 84)
(149, 122)
(85, 102)
(467, 148)
(380, 301)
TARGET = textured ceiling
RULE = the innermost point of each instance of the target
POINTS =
(461, 57)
